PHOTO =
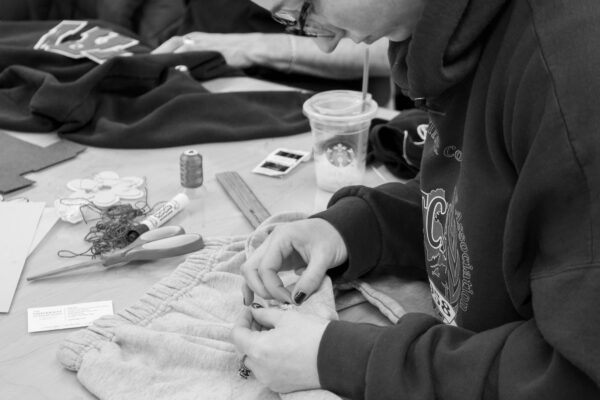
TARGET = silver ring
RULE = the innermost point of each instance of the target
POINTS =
(188, 41)
(243, 371)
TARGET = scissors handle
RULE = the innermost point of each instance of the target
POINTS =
(150, 236)
(162, 248)
(120, 256)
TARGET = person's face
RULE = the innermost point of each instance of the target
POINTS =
(360, 20)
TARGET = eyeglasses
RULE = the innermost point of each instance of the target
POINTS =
(294, 20)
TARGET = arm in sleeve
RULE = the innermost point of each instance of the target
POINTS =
(553, 352)
(382, 227)
(298, 54)
(421, 358)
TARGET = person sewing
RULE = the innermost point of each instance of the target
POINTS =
(249, 38)
(504, 216)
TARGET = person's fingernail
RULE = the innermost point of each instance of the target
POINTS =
(299, 298)
(244, 299)
(256, 305)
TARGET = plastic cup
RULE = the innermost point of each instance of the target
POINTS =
(339, 121)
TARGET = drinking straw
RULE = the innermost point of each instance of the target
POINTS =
(365, 78)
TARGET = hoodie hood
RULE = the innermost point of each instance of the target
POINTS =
(445, 47)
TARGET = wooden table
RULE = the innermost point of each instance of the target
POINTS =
(28, 365)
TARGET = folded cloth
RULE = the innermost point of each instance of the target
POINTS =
(141, 101)
(174, 342)
(390, 296)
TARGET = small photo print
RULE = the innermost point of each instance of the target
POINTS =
(275, 167)
(283, 153)
(280, 162)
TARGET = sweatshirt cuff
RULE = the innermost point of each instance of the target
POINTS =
(354, 220)
(343, 357)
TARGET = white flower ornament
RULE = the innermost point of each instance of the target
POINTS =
(107, 188)
(103, 190)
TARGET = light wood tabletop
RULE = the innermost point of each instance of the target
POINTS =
(29, 368)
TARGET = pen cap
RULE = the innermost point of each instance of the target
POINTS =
(136, 231)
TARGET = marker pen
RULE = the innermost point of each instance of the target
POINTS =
(161, 215)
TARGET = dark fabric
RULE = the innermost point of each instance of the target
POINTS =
(506, 206)
(131, 102)
(397, 143)
(18, 158)
(152, 20)
(227, 16)
(155, 21)
(49, 9)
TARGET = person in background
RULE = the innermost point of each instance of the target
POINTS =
(504, 216)
(249, 38)
(243, 32)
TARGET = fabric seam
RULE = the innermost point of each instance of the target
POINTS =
(564, 123)
(563, 271)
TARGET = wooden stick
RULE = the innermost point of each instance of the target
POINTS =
(243, 197)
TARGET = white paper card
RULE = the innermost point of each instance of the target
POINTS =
(18, 224)
(67, 316)
(47, 221)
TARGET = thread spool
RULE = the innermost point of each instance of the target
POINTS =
(190, 168)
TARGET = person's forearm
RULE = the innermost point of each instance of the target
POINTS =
(422, 358)
(381, 227)
(301, 55)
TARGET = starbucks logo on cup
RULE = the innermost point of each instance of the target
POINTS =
(340, 154)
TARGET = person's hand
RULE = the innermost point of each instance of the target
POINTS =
(239, 50)
(312, 243)
(284, 357)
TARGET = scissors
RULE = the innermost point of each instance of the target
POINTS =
(167, 241)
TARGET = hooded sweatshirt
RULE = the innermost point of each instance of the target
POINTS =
(504, 216)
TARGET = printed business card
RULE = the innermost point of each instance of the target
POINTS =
(68, 316)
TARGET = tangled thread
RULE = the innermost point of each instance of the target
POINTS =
(110, 231)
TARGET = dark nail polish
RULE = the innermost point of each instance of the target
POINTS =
(256, 305)
(299, 298)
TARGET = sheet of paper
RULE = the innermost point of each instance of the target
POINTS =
(18, 224)
(47, 221)
(41, 319)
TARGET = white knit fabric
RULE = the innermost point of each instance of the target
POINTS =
(174, 342)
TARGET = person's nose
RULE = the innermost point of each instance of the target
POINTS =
(327, 43)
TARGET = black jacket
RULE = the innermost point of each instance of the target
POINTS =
(129, 102)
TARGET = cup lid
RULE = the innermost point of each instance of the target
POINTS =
(340, 105)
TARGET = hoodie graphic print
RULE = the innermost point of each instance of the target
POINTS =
(447, 258)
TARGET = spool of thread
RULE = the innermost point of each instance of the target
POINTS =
(190, 168)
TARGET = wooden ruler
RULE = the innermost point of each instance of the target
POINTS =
(243, 197)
